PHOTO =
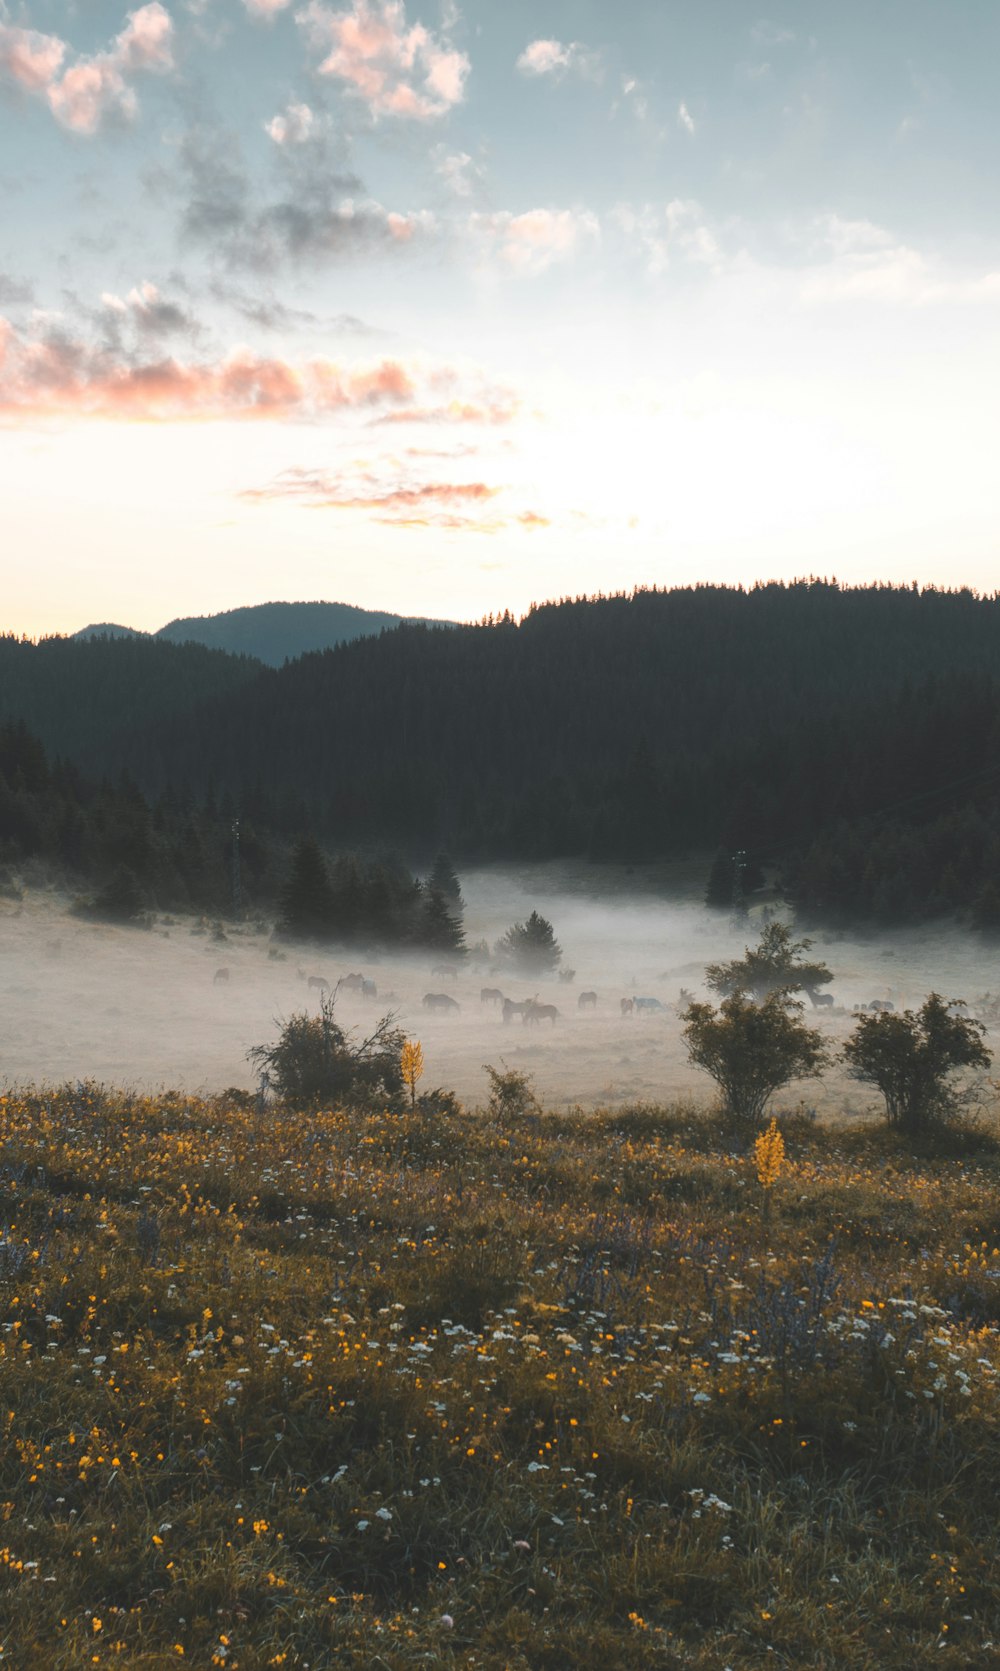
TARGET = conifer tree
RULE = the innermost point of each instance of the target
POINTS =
(439, 930)
(307, 905)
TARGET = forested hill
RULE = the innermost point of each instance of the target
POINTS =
(88, 699)
(620, 727)
(809, 724)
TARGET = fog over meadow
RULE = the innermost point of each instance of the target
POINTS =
(149, 1010)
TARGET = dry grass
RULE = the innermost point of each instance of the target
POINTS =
(393, 1391)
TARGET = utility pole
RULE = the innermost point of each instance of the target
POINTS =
(738, 912)
(235, 872)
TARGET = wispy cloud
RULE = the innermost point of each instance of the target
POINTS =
(93, 88)
(531, 242)
(860, 261)
(266, 9)
(316, 212)
(396, 69)
(684, 118)
(459, 171)
(395, 496)
(558, 58)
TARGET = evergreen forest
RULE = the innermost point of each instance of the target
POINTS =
(845, 740)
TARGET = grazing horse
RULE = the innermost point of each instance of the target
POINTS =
(445, 971)
(491, 995)
(317, 983)
(534, 1013)
(438, 1001)
(628, 1006)
(648, 1006)
(221, 977)
(510, 1009)
(353, 983)
(369, 989)
(587, 1001)
(819, 1000)
(881, 1006)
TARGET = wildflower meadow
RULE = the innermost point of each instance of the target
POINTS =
(461, 1388)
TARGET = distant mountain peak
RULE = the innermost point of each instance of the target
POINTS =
(108, 629)
(279, 632)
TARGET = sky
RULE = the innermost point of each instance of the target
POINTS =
(447, 309)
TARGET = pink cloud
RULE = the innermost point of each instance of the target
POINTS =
(531, 242)
(266, 8)
(31, 59)
(124, 375)
(58, 376)
(398, 70)
(81, 96)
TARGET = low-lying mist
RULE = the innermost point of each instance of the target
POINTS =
(153, 1009)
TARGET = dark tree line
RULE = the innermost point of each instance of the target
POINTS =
(370, 902)
(849, 736)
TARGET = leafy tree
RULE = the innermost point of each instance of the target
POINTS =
(530, 948)
(121, 899)
(912, 1057)
(775, 964)
(752, 1049)
(315, 1062)
(307, 905)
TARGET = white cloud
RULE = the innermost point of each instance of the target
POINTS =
(557, 58)
(684, 118)
(398, 70)
(460, 173)
(297, 125)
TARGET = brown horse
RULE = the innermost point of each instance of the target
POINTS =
(587, 1001)
(510, 1009)
(534, 1013)
(628, 1006)
(491, 995)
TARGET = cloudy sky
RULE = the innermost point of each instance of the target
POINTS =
(447, 308)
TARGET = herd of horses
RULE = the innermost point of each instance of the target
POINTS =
(529, 1011)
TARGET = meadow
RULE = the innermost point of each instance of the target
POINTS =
(493, 1388)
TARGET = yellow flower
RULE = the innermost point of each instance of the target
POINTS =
(769, 1155)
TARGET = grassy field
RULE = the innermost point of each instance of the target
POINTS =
(450, 1390)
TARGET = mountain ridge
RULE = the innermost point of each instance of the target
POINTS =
(272, 633)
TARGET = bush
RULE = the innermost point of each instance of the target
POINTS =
(512, 1094)
(773, 965)
(752, 1050)
(314, 1062)
(912, 1057)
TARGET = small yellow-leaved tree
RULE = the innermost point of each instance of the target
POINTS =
(769, 1158)
(412, 1064)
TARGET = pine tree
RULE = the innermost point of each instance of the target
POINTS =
(438, 930)
(307, 904)
(443, 878)
(530, 947)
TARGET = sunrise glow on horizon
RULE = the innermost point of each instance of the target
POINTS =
(447, 309)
